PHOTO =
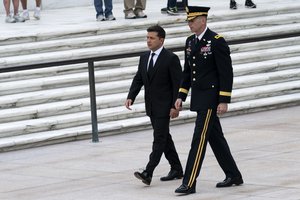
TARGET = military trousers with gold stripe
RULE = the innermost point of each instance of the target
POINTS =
(208, 129)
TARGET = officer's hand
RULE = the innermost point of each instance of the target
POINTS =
(178, 104)
(174, 113)
(128, 103)
(222, 108)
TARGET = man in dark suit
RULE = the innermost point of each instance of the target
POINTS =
(208, 72)
(159, 71)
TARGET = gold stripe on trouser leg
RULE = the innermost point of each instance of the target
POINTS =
(200, 149)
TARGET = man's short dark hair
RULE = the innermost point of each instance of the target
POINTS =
(161, 33)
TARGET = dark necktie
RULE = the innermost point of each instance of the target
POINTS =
(150, 66)
(197, 41)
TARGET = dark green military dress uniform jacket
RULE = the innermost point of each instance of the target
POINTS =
(207, 71)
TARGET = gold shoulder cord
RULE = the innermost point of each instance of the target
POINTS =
(218, 36)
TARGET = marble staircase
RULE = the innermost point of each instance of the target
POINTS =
(51, 105)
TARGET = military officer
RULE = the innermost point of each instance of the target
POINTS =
(208, 72)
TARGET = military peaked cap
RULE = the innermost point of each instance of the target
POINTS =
(195, 11)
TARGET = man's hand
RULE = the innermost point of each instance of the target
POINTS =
(174, 113)
(128, 103)
(222, 108)
(178, 104)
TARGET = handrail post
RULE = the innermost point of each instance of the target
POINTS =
(93, 101)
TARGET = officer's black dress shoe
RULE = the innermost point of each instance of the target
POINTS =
(184, 189)
(144, 176)
(229, 181)
(173, 174)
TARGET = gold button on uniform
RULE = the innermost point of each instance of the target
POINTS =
(194, 72)
(194, 79)
(194, 64)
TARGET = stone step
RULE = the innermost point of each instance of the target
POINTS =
(52, 82)
(136, 47)
(63, 107)
(67, 69)
(47, 96)
(273, 10)
(266, 66)
(81, 69)
(117, 111)
(114, 38)
(266, 54)
(69, 80)
(266, 90)
(52, 95)
(55, 121)
(68, 93)
(134, 124)
(89, 29)
(266, 78)
(267, 44)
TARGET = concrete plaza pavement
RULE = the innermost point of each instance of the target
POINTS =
(264, 144)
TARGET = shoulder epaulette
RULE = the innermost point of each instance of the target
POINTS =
(218, 36)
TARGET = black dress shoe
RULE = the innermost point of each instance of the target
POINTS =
(184, 189)
(229, 181)
(173, 174)
(144, 176)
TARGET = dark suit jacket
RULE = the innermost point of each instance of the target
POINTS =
(161, 89)
(208, 71)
